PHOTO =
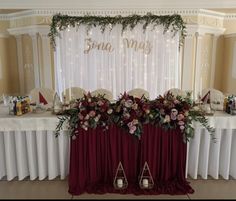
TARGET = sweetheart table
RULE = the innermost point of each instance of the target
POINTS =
(28, 147)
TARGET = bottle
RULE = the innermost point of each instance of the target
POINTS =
(14, 107)
(57, 104)
(225, 104)
(18, 108)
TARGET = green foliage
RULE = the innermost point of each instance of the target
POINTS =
(174, 23)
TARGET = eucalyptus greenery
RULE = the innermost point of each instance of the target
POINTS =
(174, 23)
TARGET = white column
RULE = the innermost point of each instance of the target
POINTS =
(46, 55)
(188, 65)
(213, 60)
(198, 62)
(37, 72)
(20, 63)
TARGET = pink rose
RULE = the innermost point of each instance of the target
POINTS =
(92, 113)
(181, 123)
(181, 127)
(180, 117)
(81, 117)
(126, 115)
(100, 103)
(86, 117)
(132, 129)
(176, 101)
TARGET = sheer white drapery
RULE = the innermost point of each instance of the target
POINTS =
(118, 62)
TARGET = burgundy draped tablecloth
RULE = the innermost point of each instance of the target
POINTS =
(95, 155)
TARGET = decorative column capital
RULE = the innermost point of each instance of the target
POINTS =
(201, 30)
(31, 30)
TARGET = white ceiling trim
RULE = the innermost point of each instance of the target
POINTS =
(42, 4)
(114, 12)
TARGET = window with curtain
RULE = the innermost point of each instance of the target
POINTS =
(117, 61)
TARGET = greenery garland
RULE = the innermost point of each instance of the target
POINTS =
(174, 23)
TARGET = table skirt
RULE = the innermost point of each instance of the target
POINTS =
(37, 154)
(95, 156)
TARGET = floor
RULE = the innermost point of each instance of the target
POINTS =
(57, 189)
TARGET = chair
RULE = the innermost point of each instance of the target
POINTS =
(73, 93)
(216, 98)
(138, 92)
(37, 94)
(107, 94)
(177, 92)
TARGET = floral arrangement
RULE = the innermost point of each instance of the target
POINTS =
(87, 112)
(130, 113)
(178, 112)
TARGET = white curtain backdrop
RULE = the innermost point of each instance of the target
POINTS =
(91, 59)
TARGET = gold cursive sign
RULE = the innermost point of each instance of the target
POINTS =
(92, 44)
(144, 46)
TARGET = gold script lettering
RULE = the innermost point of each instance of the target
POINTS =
(92, 44)
(144, 46)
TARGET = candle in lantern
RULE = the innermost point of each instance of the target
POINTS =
(120, 183)
(145, 183)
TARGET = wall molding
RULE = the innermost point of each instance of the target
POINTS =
(113, 12)
(230, 35)
(231, 16)
(34, 29)
(4, 17)
(203, 29)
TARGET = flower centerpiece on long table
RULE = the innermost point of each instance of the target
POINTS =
(130, 113)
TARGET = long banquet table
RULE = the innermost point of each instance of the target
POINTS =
(28, 147)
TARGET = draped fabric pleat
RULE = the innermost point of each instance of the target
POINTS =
(95, 155)
(117, 62)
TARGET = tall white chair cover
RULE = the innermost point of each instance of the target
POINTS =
(216, 98)
(48, 94)
(177, 92)
(73, 93)
(138, 92)
(107, 94)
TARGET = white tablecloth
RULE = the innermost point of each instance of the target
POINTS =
(28, 147)
(207, 157)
